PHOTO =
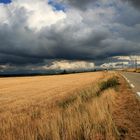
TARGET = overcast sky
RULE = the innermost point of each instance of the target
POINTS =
(40, 32)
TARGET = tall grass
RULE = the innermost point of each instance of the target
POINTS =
(81, 116)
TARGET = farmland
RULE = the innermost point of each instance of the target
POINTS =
(67, 107)
(18, 92)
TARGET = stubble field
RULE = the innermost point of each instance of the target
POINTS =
(81, 106)
(15, 93)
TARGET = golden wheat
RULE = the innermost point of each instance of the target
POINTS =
(30, 108)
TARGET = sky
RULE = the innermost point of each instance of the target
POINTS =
(5, 1)
(35, 35)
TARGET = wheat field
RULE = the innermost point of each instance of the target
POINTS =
(60, 107)
(15, 93)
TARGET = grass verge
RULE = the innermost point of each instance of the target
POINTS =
(88, 116)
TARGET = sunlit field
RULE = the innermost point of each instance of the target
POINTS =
(62, 107)
(17, 93)
(133, 70)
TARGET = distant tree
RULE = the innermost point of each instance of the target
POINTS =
(64, 72)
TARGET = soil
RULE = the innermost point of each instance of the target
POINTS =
(127, 112)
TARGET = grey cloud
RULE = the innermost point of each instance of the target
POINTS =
(28, 47)
(73, 38)
(135, 3)
(80, 4)
(18, 60)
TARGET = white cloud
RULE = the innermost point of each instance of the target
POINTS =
(122, 61)
(115, 65)
(38, 13)
(131, 57)
(70, 65)
(4, 14)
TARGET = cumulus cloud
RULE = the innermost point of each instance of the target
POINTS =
(51, 66)
(122, 61)
(34, 14)
(115, 65)
(33, 32)
(128, 58)
(70, 65)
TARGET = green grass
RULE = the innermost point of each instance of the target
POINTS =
(110, 83)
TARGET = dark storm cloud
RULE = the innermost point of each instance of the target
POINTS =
(81, 4)
(135, 3)
(18, 60)
(94, 34)
(26, 47)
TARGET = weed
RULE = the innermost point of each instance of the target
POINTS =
(110, 83)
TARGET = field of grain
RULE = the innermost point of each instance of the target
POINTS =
(60, 107)
(16, 93)
(132, 70)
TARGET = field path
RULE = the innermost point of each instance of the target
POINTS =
(21, 91)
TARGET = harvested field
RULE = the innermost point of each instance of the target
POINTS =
(21, 91)
(83, 106)
(132, 70)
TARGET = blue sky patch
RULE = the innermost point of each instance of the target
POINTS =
(57, 6)
(5, 1)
